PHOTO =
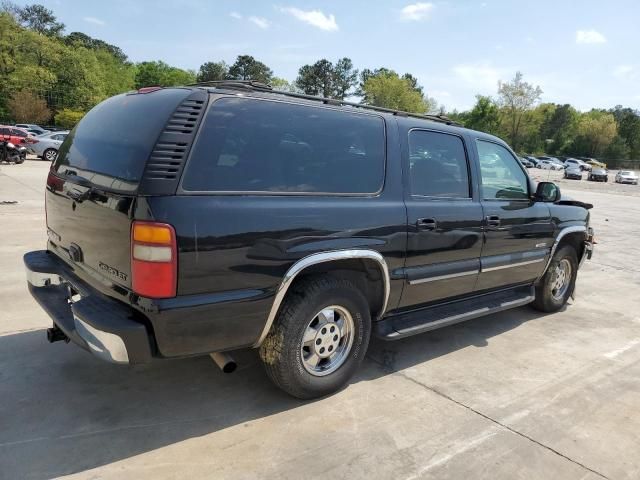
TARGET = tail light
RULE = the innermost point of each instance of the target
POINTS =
(30, 140)
(154, 259)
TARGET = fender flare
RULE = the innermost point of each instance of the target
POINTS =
(565, 231)
(324, 257)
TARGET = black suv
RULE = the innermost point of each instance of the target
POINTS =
(193, 220)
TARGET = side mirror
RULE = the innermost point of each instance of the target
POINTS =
(547, 192)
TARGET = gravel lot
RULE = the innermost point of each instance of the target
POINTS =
(515, 395)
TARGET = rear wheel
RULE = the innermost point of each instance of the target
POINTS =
(319, 338)
(558, 283)
(50, 154)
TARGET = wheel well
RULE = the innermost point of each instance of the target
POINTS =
(576, 240)
(365, 274)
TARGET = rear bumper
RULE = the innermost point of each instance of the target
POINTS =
(95, 322)
(589, 243)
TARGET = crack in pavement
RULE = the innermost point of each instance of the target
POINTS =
(487, 417)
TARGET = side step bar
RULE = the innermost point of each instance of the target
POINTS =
(442, 315)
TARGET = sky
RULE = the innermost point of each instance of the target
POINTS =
(581, 52)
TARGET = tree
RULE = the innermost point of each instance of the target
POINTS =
(345, 77)
(248, 68)
(628, 121)
(597, 130)
(39, 19)
(25, 107)
(484, 116)
(283, 85)
(559, 129)
(388, 90)
(159, 73)
(67, 118)
(212, 71)
(95, 44)
(325, 79)
(515, 98)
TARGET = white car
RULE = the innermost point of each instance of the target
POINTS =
(627, 176)
(549, 165)
(46, 146)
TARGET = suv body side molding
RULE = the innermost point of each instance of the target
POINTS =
(556, 242)
(324, 257)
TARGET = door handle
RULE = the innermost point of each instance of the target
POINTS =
(426, 224)
(493, 221)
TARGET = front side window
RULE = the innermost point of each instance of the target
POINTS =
(437, 165)
(502, 176)
(248, 145)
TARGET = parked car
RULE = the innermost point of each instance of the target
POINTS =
(532, 159)
(46, 146)
(595, 163)
(238, 216)
(549, 165)
(574, 162)
(15, 135)
(627, 176)
(36, 129)
(525, 162)
(598, 175)
(573, 172)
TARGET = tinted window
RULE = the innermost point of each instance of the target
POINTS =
(248, 145)
(502, 176)
(116, 137)
(19, 133)
(438, 165)
(4, 131)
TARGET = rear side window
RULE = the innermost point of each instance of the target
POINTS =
(114, 140)
(438, 165)
(248, 145)
(18, 133)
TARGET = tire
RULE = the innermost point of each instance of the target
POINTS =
(50, 154)
(289, 362)
(550, 298)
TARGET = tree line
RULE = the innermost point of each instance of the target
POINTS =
(47, 75)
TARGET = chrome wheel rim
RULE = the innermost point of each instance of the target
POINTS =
(51, 155)
(327, 340)
(561, 279)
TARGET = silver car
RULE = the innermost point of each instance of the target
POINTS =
(627, 176)
(46, 146)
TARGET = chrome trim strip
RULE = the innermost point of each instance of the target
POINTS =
(563, 232)
(443, 277)
(324, 257)
(512, 265)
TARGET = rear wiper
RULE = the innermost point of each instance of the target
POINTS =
(83, 182)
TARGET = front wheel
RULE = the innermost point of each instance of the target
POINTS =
(558, 283)
(319, 338)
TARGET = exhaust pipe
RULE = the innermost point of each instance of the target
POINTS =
(224, 361)
(54, 334)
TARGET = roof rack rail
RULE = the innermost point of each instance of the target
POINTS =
(263, 87)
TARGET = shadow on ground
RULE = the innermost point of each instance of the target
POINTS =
(63, 411)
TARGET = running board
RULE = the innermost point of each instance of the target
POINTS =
(442, 315)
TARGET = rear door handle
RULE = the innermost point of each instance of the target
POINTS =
(493, 221)
(427, 224)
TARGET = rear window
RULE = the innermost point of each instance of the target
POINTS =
(114, 140)
(248, 145)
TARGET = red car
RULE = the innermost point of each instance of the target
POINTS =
(17, 136)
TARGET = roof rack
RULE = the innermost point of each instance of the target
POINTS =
(252, 85)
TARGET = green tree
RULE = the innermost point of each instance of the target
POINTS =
(388, 90)
(248, 68)
(159, 73)
(628, 121)
(212, 71)
(326, 79)
(559, 130)
(95, 44)
(515, 98)
(67, 118)
(617, 149)
(39, 19)
(596, 131)
(283, 85)
(484, 116)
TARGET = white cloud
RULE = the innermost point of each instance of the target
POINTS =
(482, 75)
(94, 20)
(590, 36)
(313, 17)
(260, 22)
(416, 11)
(235, 15)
